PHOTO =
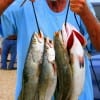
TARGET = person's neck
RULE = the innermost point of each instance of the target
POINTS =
(57, 5)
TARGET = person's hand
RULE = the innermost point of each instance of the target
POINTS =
(78, 6)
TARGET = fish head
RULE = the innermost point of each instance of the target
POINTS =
(49, 49)
(59, 37)
(67, 31)
(76, 49)
(80, 37)
(38, 41)
(75, 43)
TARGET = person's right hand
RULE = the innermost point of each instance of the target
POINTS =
(78, 6)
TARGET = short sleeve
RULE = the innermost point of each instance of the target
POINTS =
(7, 26)
(8, 20)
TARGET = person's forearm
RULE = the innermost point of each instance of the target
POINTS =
(4, 4)
(92, 25)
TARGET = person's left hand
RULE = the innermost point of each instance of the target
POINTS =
(77, 6)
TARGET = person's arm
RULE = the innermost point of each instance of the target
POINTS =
(4, 4)
(92, 24)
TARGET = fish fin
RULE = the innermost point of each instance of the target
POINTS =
(70, 41)
(81, 61)
(54, 67)
(80, 37)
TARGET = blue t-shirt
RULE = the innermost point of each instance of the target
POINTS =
(0, 26)
(21, 21)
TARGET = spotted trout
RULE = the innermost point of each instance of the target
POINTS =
(32, 67)
(48, 74)
(64, 83)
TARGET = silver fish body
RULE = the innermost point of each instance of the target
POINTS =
(64, 84)
(75, 42)
(78, 65)
(32, 68)
(48, 74)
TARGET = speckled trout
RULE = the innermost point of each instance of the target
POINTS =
(32, 67)
(65, 74)
(48, 75)
(75, 43)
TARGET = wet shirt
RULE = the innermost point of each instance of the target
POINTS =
(22, 21)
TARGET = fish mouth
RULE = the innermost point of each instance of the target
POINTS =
(38, 38)
(59, 34)
(49, 42)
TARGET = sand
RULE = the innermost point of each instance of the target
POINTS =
(7, 84)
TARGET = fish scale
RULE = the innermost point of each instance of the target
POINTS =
(48, 75)
(64, 84)
(74, 41)
(78, 65)
(32, 68)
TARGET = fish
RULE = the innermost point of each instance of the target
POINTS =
(64, 69)
(48, 74)
(32, 67)
(75, 42)
(78, 64)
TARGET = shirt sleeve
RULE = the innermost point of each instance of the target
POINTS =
(8, 20)
(7, 26)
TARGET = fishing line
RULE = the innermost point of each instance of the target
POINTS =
(34, 13)
(36, 18)
(66, 17)
(67, 13)
(23, 3)
(97, 81)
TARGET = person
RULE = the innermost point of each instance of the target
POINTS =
(50, 16)
(9, 46)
